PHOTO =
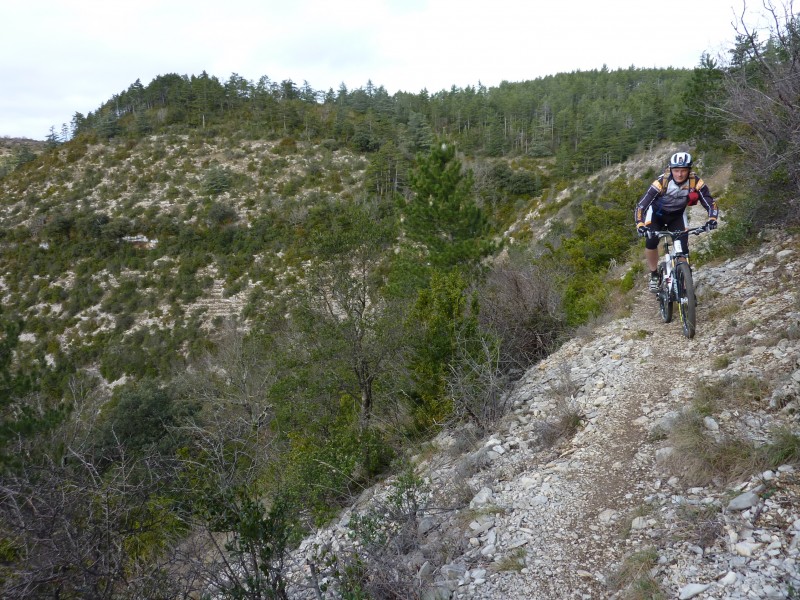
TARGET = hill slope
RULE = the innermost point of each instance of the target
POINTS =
(638, 502)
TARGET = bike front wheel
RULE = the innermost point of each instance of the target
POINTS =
(664, 300)
(686, 299)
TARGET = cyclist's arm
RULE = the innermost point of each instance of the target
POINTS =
(640, 214)
(707, 200)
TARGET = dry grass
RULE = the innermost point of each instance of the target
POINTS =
(700, 525)
(722, 361)
(515, 561)
(565, 423)
(733, 392)
(784, 449)
(633, 580)
(702, 459)
(723, 310)
(639, 334)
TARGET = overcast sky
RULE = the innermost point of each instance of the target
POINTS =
(62, 56)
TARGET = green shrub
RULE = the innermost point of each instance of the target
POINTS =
(143, 417)
(217, 180)
(322, 474)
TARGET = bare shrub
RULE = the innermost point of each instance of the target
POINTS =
(567, 419)
(522, 307)
(565, 388)
(386, 558)
(763, 84)
(701, 525)
(73, 529)
(478, 385)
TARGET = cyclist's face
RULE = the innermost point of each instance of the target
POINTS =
(680, 174)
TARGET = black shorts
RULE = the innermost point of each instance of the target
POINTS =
(675, 221)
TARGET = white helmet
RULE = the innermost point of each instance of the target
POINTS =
(680, 160)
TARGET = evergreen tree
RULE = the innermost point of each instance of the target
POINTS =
(443, 215)
(701, 114)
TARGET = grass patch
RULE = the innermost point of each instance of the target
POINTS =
(729, 392)
(783, 450)
(511, 562)
(566, 422)
(702, 459)
(721, 362)
(640, 334)
(719, 307)
(633, 580)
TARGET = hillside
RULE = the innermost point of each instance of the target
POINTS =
(263, 342)
(653, 490)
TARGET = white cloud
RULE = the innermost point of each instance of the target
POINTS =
(61, 57)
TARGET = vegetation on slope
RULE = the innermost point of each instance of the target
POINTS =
(228, 307)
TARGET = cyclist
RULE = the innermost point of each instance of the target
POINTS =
(664, 204)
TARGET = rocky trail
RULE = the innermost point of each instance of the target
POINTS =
(617, 507)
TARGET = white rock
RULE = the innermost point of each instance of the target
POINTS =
(478, 573)
(692, 590)
(729, 579)
(482, 498)
(746, 548)
(744, 501)
(663, 454)
(607, 516)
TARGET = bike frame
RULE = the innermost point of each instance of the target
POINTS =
(670, 290)
(673, 252)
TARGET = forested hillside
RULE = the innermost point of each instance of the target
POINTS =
(228, 307)
(585, 119)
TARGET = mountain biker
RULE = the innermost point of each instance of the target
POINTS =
(664, 204)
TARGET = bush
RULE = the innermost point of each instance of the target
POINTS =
(321, 475)
(522, 308)
(217, 180)
(221, 214)
(142, 419)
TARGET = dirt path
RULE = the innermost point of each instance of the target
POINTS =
(631, 372)
(557, 521)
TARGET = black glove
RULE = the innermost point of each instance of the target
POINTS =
(643, 231)
(711, 224)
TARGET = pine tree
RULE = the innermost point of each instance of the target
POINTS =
(443, 215)
(701, 116)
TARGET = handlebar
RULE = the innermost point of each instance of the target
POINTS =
(674, 234)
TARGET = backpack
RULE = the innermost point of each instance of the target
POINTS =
(693, 195)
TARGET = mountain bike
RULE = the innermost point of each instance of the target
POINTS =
(675, 280)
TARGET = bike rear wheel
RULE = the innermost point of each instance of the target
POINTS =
(664, 301)
(686, 299)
